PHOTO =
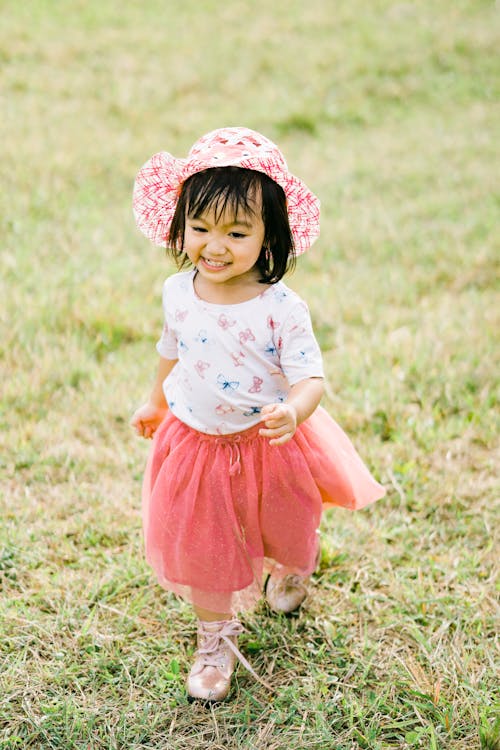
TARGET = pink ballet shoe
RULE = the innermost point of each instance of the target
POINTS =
(215, 660)
(286, 594)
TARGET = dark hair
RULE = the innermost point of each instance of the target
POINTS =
(221, 188)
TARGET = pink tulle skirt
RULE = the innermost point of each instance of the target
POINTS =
(220, 510)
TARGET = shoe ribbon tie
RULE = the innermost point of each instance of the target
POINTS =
(211, 644)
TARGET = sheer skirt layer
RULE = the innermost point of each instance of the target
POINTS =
(219, 510)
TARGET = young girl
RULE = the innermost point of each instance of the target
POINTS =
(243, 457)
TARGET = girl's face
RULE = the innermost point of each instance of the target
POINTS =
(224, 249)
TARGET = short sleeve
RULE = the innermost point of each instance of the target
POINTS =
(300, 355)
(167, 343)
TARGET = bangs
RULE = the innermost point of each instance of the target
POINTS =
(228, 191)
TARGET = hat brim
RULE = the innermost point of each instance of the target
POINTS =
(158, 183)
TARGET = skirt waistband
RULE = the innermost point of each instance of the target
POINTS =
(232, 440)
(232, 437)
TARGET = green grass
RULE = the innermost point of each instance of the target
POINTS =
(389, 111)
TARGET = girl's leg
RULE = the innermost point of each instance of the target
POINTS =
(207, 616)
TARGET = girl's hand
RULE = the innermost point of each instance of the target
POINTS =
(147, 418)
(280, 421)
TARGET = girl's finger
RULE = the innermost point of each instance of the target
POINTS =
(272, 424)
(275, 432)
(270, 413)
(279, 425)
(281, 440)
(267, 432)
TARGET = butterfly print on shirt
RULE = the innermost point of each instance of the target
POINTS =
(202, 337)
(224, 322)
(253, 410)
(246, 335)
(301, 356)
(200, 367)
(257, 385)
(271, 323)
(222, 409)
(227, 385)
(237, 357)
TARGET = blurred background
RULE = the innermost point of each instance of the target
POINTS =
(389, 112)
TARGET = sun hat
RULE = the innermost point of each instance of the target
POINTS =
(158, 182)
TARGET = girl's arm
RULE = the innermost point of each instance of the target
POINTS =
(147, 418)
(281, 420)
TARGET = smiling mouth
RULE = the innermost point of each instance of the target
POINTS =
(215, 263)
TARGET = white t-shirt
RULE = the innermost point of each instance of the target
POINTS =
(233, 359)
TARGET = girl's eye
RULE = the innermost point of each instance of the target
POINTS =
(198, 229)
(237, 235)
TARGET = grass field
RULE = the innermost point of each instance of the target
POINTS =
(389, 111)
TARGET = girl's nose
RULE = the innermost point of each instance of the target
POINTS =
(215, 245)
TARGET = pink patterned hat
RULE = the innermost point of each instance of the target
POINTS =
(158, 183)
